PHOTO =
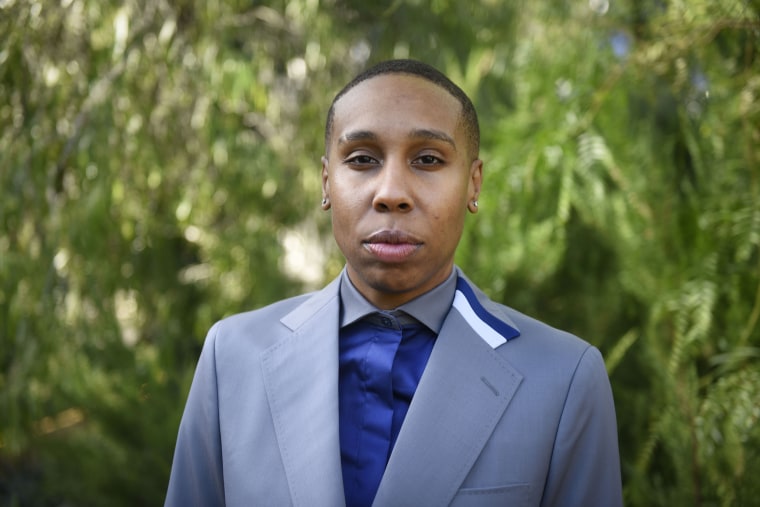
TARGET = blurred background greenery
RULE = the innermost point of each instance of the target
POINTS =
(159, 170)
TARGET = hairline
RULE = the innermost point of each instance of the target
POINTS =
(467, 118)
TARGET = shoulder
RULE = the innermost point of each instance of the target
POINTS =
(245, 335)
(541, 334)
(537, 332)
(555, 364)
(539, 346)
(546, 348)
(256, 330)
(266, 316)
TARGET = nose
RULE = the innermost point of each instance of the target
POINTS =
(394, 187)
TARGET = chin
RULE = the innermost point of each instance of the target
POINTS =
(386, 279)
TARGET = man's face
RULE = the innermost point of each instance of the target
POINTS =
(399, 180)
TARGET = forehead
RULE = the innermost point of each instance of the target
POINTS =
(397, 101)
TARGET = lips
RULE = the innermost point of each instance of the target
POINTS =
(392, 245)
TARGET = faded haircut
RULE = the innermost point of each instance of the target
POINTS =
(468, 115)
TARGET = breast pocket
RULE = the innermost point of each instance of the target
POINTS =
(513, 495)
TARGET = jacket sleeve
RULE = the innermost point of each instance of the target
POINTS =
(585, 463)
(196, 476)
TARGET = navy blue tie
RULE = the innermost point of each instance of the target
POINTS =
(382, 357)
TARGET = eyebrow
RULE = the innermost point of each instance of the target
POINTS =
(437, 135)
(368, 135)
(357, 135)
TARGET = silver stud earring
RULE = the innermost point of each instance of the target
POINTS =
(324, 201)
(475, 203)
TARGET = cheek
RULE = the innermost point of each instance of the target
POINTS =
(341, 218)
(346, 210)
(346, 204)
(450, 222)
(341, 230)
(345, 189)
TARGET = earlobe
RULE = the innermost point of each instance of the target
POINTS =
(476, 180)
(325, 185)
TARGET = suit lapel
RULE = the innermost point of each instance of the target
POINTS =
(462, 395)
(301, 381)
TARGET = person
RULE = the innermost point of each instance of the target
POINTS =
(400, 383)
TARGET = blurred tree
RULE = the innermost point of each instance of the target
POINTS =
(627, 174)
(159, 166)
(143, 161)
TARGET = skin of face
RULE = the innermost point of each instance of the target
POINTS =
(399, 181)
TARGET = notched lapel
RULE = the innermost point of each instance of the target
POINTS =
(301, 381)
(461, 397)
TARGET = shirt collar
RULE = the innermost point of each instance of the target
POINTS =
(429, 308)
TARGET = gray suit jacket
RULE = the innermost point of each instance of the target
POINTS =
(529, 422)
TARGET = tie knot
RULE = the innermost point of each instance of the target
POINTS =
(395, 319)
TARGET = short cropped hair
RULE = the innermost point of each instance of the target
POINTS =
(469, 117)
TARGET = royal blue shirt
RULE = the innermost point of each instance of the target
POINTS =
(382, 357)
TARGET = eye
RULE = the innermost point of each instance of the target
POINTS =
(360, 160)
(427, 160)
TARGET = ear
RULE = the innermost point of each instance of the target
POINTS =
(474, 185)
(325, 185)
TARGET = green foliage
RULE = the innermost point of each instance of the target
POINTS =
(159, 166)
